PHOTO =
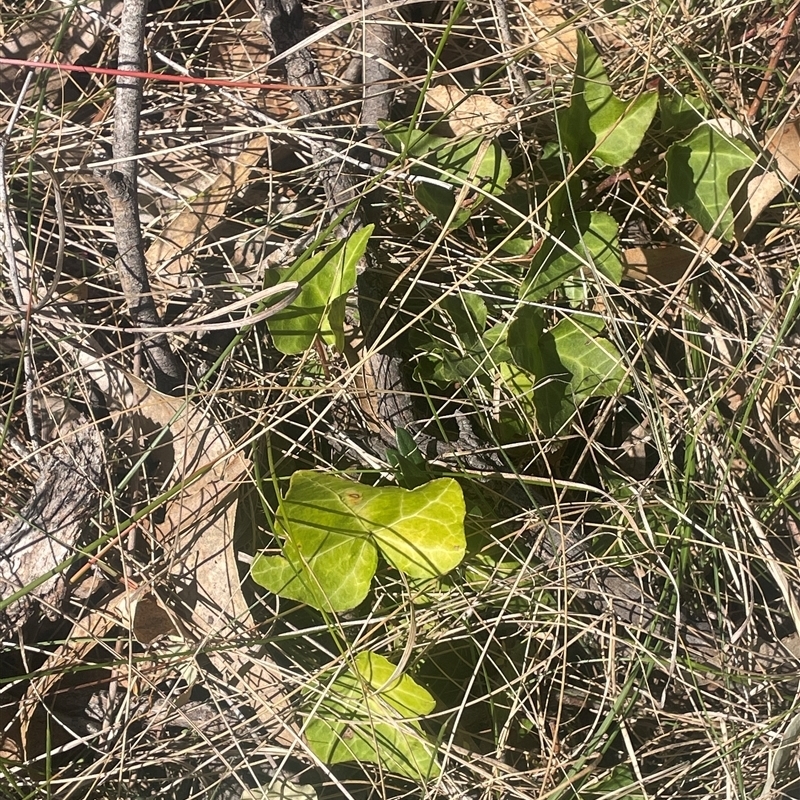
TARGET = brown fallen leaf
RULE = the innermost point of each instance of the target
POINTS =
(657, 265)
(145, 617)
(783, 145)
(467, 114)
(171, 256)
(83, 638)
(195, 456)
(552, 38)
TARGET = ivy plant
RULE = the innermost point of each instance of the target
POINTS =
(368, 713)
(533, 343)
(325, 279)
(333, 529)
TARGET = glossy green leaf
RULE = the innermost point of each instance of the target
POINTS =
(421, 531)
(620, 782)
(596, 366)
(403, 692)
(468, 313)
(364, 718)
(455, 164)
(588, 237)
(703, 171)
(541, 388)
(325, 278)
(408, 461)
(560, 368)
(524, 335)
(328, 557)
(681, 112)
(478, 361)
(333, 527)
(597, 122)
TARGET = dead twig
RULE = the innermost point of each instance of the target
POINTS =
(7, 231)
(788, 24)
(121, 186)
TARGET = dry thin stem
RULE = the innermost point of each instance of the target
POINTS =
(122, 188)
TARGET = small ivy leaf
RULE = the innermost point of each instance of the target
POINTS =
(543, 405)
(681, 112)
(702, 175)
(479, 362)
(467, 311)
(333, 527)
(596, 366)
(325, 278)
(543, 382)
(569, 363)
(441, 202)
(524, 334)
(597, 122)
(619, 782)
(455, 164)
(412, 469)
(584, 238)
(362, 719)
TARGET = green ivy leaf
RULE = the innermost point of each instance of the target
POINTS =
(585, 237)
(333, 528)
(541, 387)
(408, 461)
(454, 164)
(596, 121)
(325, 278)
(328, 558)
(467, 312)
(362, 718)
(596, 366)
(702, 174)
(681, 112)
(560, 368)
(479, 360)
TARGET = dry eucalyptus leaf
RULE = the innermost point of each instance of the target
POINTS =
(657, 265)
(467, 114)
(783, 145)
(171, 256)
(197, 533)
(145, 617)
(552, 38)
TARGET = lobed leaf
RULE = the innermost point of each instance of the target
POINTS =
(588, 237)
(597, 122)
(325, 278)
(702, 175)
(333, 528)
(361, 718)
